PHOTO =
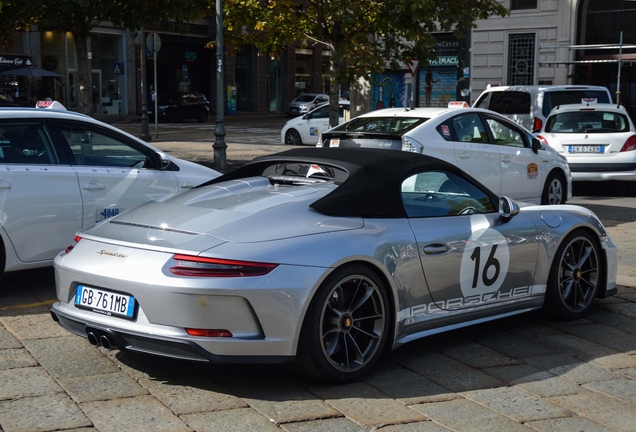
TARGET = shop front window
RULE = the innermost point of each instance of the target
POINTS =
(108, 74)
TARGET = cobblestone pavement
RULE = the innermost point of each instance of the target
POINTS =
(525, 373)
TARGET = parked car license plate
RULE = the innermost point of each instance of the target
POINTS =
(105, 302)
(586, 149)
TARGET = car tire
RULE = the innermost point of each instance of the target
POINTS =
(574, 277)
(172, 116)
(292, 137)
(203, 116)
(346, 326)
(554, 190)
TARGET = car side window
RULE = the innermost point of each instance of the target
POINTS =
(322, 112)
(469, 128)
(93, 146)
(506, 134)
(442, 193)
(26, 142)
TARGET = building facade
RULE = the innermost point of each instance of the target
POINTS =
(544, 42)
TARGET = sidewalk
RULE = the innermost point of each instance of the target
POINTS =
(246, 135)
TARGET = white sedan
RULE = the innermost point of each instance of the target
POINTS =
(61, 171)
(307, 129)
(598, 140)
(502, 155)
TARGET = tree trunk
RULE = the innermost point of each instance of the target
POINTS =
(334, 96)
(83, 76)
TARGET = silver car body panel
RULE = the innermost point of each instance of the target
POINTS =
(429, 266)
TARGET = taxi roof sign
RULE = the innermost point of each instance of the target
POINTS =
(458, 104)
(47, 104)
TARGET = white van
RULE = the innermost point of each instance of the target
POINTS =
(529, 106)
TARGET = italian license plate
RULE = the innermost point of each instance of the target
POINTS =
(586, 149)
(105, 302)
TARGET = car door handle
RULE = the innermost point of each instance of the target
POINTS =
(437, 249)
(5, 185)
(94, 185)
(506, 159)
(464, 155)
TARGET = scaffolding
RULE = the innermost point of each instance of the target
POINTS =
(620, 47)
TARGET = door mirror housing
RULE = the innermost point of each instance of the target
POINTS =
(536, 145)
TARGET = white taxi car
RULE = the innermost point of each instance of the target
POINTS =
(598, 140)
(502, 155)
(61, 171)
(307, 129)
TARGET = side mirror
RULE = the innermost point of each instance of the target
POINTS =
(161, 161)
(507, 208)
(536, 145)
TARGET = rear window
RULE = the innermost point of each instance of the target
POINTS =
(587, 122)
(567, 97)
(383, 125)
(509, 102)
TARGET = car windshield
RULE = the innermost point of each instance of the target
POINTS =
(587, 122)
(383, 125)
(305, 98)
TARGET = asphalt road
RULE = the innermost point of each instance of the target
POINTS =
(526, 373)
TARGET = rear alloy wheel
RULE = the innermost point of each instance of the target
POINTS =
(292, 137)
(574, 277)
(346, 326)
(554, 190)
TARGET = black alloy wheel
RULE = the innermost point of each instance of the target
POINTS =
(575, 276)
(346, 326)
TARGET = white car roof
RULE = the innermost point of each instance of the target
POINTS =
(611, 107)
(543, 87)
(421, 112)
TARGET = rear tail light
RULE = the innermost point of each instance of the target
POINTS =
(70, 247)
(196, 266)
(537, 124)
(410, 145)
(208, 332)
(630, 144)
(543, 140)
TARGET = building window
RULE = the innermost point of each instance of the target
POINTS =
(523, 4)
(521, 59)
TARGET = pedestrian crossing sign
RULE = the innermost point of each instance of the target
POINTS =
(118, 68)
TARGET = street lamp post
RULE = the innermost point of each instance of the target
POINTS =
(145, 131)
(219, 145)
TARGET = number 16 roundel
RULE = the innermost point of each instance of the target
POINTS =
(485, 260)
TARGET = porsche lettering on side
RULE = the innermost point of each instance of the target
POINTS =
(322, 258)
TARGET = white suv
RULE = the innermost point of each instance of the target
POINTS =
(530, 105)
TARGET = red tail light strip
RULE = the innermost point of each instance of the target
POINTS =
(195, 266)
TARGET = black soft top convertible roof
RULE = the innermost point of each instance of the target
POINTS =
(373, 187)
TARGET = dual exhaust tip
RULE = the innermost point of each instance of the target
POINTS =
(96, 340)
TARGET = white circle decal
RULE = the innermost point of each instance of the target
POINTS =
(485, 260)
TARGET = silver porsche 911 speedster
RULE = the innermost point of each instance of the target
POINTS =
(323, 258)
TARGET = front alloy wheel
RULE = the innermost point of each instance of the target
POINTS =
(575, 276)
(292, 137)
(346, 326)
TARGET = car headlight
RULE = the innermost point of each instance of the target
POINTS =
(410, 145)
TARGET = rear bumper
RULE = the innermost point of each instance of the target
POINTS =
(155, 344)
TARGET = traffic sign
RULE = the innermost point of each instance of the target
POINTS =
(151, 39)
(413, 65)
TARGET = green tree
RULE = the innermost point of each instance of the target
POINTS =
(79, 17)
(362, 35)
